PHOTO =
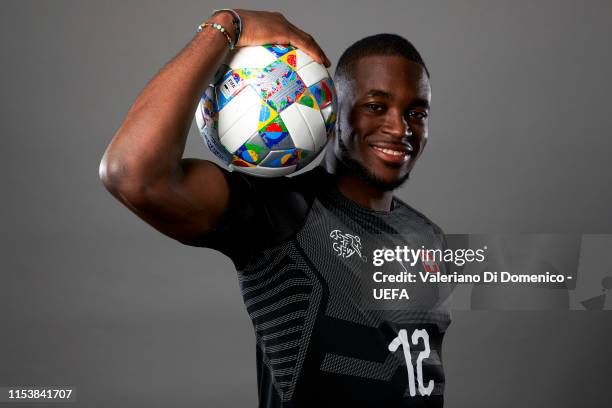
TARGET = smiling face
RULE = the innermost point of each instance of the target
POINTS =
(383, 119)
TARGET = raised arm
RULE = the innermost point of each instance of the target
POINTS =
(143, 166)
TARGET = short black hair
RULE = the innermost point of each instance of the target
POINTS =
(379, 44)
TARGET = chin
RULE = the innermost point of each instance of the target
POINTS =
(391, 183)
(381, 179)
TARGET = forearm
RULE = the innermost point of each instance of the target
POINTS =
(149, 145)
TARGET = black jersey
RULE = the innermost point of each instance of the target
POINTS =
(303, 255)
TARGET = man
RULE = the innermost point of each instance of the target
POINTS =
(302, 245)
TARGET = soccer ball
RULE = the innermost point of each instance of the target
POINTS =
(269, 110)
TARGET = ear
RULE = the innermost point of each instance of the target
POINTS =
(332, 135)
(337, 126)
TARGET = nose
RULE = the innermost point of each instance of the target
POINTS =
(397, 126)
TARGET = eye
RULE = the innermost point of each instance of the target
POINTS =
(419, 115)
(374, 107)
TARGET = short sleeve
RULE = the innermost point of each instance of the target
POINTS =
(261, 213)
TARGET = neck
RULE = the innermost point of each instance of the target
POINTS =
(357, 190)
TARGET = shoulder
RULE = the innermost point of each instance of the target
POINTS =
(272, 209)
(303, 183)
(411, 211)
(281, 197)
(261, 213)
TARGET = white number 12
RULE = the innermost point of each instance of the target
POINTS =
(402, 340)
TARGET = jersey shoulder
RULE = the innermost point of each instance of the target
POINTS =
(403, 206)
(261, 213)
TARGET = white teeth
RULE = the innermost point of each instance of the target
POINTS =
(389, 151)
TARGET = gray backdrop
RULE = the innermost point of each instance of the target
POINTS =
(93, 297)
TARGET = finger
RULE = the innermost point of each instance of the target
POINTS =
(312, 43)
(308, 37)
(307, 43)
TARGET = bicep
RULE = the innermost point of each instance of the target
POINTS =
(236, 214)
(187, 206)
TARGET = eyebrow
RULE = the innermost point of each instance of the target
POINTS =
(420, 103)
(379, 93)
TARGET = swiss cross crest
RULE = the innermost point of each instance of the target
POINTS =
(345, 245)
(429, 263)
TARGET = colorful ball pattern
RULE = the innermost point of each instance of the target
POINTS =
(269, 110)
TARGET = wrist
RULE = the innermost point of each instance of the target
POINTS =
(236, 23)
(224, 18)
